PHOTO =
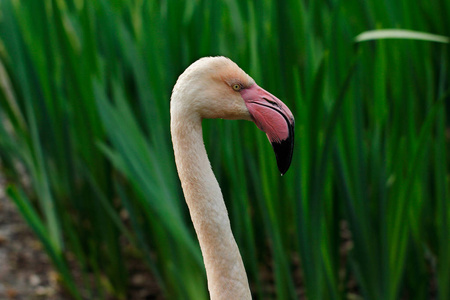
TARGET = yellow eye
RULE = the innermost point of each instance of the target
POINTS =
(236, 87)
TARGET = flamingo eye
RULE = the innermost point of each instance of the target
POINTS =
(236, 87)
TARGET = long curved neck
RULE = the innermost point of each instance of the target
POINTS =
(224, 267)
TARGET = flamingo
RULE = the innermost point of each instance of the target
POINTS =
(215, 87)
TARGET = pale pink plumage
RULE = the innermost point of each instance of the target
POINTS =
(215, 87)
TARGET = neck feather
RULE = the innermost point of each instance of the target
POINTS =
(224, 267)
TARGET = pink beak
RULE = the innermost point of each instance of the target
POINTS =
(274, 118)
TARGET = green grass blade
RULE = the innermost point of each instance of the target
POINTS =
(400, 34)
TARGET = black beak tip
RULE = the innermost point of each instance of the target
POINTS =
(283, 153)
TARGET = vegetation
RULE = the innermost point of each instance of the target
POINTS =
(84, 104)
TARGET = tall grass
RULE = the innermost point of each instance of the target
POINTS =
(84, 102)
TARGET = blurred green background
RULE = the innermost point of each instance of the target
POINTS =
(363, 212)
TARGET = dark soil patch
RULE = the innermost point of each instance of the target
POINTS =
(26, 273)
(25, 270)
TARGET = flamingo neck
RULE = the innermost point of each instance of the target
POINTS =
(224, 267)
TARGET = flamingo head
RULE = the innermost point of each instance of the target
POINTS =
(215, 87)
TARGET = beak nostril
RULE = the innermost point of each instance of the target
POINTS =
(271, 101)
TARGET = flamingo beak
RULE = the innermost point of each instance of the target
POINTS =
(274, 118)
